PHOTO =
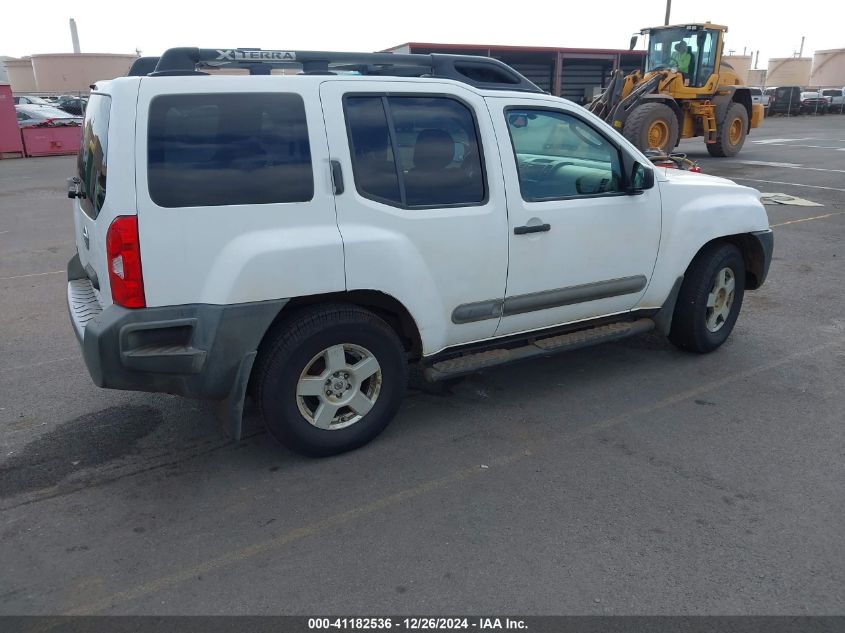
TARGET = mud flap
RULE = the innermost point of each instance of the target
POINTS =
(230, 411)
(663, 318)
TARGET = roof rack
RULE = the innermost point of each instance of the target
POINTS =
(477, 71)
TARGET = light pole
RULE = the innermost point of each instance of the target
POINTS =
(668, 11)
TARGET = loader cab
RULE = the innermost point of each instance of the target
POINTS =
(703, 45)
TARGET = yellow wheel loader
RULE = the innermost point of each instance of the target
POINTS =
(685, 91)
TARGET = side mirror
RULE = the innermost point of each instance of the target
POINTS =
(642, 178)
(633, 41)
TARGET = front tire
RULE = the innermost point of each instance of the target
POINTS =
(652, 126)
(330, 379)
(710, 299)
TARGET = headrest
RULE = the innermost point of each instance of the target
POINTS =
(434, 149)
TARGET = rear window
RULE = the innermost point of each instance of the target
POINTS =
(92, 160)
(756, 92)
(228, 149)
(415, 151)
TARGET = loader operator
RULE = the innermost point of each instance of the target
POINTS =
(681, 58)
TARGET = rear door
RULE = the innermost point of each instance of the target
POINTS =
(91, 209)
(423, 213)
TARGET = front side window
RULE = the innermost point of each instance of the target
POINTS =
(228, 149)
(92, 159)
(415, 152)
(561, 156)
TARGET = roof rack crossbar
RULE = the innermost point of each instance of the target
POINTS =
(477, 71)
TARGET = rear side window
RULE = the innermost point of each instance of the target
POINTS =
(228, 149)
(92, 160)
(415, 152)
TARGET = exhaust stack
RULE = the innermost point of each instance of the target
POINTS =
(74, 36)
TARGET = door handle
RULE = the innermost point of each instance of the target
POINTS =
(537, 228)
(337, 177)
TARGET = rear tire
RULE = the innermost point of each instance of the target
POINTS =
(705, 315)
(330, 379)
(652, 125)
(730, 137)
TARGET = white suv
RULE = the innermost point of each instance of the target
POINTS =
(306, 238)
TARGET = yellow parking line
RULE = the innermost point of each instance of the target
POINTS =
(294, 535)
(815, 217)
(338, 520)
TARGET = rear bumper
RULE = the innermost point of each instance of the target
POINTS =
(194, 350)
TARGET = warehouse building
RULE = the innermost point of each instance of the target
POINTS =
(577, 74)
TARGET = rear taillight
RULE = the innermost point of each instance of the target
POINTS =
(123, 251)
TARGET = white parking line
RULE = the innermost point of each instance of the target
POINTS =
(769, 141)
(802, 145)
(791, 184)
(765, 163)
(52, 272)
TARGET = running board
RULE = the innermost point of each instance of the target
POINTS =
(470, 363)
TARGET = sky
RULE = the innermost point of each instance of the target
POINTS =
(117, 26)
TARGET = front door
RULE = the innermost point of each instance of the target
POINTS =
(580, 246)
(422, 212)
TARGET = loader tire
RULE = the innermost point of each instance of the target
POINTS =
(652, 126)
(731, 133)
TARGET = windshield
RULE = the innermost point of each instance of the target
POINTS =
(688, 49)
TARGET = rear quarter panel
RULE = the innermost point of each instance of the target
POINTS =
(239, 253)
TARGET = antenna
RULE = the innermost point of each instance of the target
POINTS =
(75, 37)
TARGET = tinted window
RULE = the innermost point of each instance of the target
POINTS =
(373, 162)
(832, 93)
(415, 151)
(92, 160)
(561, 156)
(227, 149)
(755, 91)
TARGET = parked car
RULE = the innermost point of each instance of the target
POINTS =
(759, 96)
(784, 100)
(836, 99)
(74, 105)
(44, 115)
(29, 99)
(309, 238)
(813, 102)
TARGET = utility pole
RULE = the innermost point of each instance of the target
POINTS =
(668, 11)
(801, 52)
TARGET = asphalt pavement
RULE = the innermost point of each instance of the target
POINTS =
(629, 478)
